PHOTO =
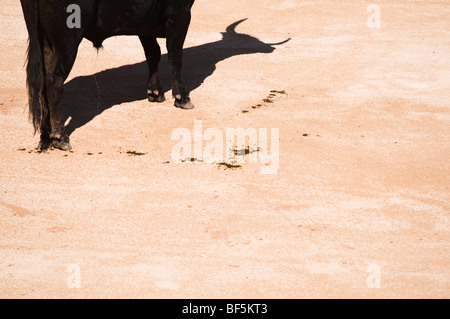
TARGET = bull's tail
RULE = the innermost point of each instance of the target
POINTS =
(38, 108)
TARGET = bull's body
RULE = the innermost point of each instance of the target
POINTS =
(53, 48)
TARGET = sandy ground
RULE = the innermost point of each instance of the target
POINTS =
(359, 205)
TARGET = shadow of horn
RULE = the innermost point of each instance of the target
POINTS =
(279, 43)
(232, 27)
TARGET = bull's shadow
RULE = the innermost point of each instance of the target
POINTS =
(85, 97)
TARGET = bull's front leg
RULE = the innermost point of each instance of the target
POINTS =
(176, 30)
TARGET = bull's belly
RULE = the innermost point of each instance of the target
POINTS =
(127, 17)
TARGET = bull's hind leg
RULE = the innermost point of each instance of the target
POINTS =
(58, 63)
(153, 56)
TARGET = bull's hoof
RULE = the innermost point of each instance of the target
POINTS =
(184, 104)
(61, 144)
(45, 143)
(156, 96)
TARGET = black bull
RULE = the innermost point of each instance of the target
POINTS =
(53, 48)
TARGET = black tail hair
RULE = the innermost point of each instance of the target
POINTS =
(38, 108)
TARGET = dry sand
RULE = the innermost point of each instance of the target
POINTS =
(361, 193)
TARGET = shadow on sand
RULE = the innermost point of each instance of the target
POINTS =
(85, 97)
